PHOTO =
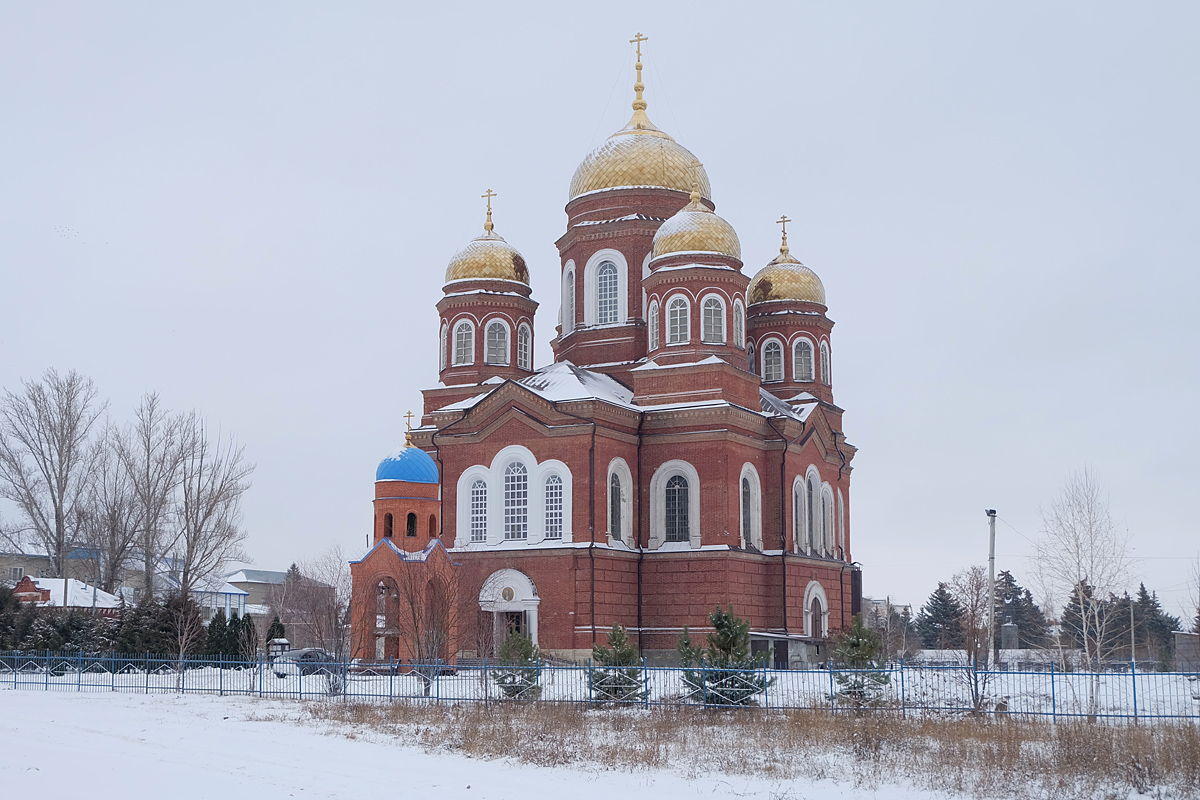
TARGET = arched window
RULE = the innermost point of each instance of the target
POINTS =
(516, 501)
(677, 321)
(803, 367)
(479, 511)
(433, 528)
(815, 615)
(750, 359)
(523, 344)
(497, 344)
(614, 506)
(746, 512)
(676, 504)
(554, 507)
(798, 515)
(826, 523)
(606, 293)
(739, 326)
(464, 343)
(653, 324)
(568, 312)
(410, 525)
(442, 345)
(811, 502)
(772, 361)
(826, 378)
(387, 526)
(841, 540)
(712, 329)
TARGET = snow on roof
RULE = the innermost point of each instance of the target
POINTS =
(649, 365)
(256, 576)
(625, 218)
(79, 594)
(562, 382)
(777, 408)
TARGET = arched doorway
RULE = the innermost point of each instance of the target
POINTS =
(508, 601)
(387, 620)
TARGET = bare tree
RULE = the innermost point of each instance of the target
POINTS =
(44, 453)
(151, 451)
(426, 616)
(970, 588)
(320, 601)
(111, 514)
(213, 476)
(1082, 558)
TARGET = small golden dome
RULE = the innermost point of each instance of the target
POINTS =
(785, 278)
(696, 229)
(488, 257)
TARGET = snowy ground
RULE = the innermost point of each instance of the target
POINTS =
(201, 746)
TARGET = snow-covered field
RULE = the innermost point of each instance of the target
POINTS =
(199, 746)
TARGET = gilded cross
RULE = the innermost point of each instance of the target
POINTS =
(489, 194)
(783, 221)
(408, 420)
(638, 41)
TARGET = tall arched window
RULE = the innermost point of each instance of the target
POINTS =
(746, 512)
(739, 326)
(772, 361)
(523, 344)
(798, 515)
(677, 321)
(387, 526)
(826, 524)
(568, 312)
(410, 525)
(606, 293)
(614, 506)
(811, 533)
(464, 343)
(554, 507)
(497, 344)
(676, 506)
(479, 511)
(804, 361)
(433, 528)
(826, 378)
(442, 345)
(516, 501)
(653, 325)
(841, 532)
(750, 359)
(712, 329)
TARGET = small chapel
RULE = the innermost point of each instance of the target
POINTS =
(682, 451)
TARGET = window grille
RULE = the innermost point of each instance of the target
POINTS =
(773, 362)
(614, 506)
(16, 573)
(739, 326)
(676, 504)
(750, 359)
(606, 293)
(677, 321)
(497, 343)
(746, 514)
(554, 507)
(568, 320)
(804, 361)
(479, 511)
(812, 513)
(713, 329)
(826, 524)
(523, 359)
(516, 501)
(442, 347)
(826, 378)
(464, 344)
(653, 326)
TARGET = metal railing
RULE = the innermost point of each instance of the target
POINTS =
(917, 689)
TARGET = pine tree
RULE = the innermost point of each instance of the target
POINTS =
(727, 674)
(520, 671)
(940, 622)
(232, 646)
(276, 630)
(618, 676)
(214, 645)
(248, 642)
(859, 648)
(1015, 604)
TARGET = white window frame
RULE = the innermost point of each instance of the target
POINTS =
(658, 505)
(525, 346)
(591, 309)
(470, 356)
(797, 374)
(620, 468)
(607, 307)
(653, 324)
(765, 346)
(508, 342)
(754, 535)
(751, 356)
(841, 512)
(739, 324)
(687, 328)
(812, 508)
(493, 476)
(478, 533)
(566, 312)
(827, 521)
(799, 514)
(444, 345)
(720, 301)
(816, 628)
(562, 522)
(826, 369)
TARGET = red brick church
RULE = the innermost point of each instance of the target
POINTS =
(683, 450)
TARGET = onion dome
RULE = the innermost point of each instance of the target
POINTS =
(696, 229)
(785, 278)
(488, 257)
(411, 464)
(637, 155)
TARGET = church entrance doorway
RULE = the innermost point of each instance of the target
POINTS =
(508, 601)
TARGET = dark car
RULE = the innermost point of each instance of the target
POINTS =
(308, 661)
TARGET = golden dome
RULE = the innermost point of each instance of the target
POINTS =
(696, 229)
(488, 257)
(785, 278)
(637, 155)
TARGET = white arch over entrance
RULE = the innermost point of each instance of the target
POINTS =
(510, 590)
(816, 628)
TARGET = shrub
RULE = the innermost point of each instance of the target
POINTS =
(728, 675)
(519, 672)
(617, 676)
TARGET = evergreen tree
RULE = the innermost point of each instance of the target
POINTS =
(727, 674)
(231, 648)
(214, 645)
(248, 642)
(859, 649)
(520, 671)
(276, 630)
(940, 621)
(618, 676)
(1015, 604)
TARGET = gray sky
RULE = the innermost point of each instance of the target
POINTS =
(249, 208)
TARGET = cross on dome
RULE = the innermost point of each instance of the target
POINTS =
(489, 194)
(783, 220)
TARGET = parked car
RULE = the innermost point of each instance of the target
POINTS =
(307, 661)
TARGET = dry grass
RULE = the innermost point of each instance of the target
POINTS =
(982, 758)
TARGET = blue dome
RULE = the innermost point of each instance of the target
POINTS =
(411, 464)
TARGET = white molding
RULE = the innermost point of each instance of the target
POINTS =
(493, 475)
(568, 282)
(754, 535)
(618, 466)
(591, 311)
(508, 339)
(739, 307)
(658, 507)
(525, 598)
(815, 358)
(523, 325)
(762, 358)
(458, 323)
(817, 591)
(671, 298)
(724, 302)
(653, 326)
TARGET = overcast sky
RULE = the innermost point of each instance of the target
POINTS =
(249, 208)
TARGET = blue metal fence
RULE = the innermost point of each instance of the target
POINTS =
(921, 689)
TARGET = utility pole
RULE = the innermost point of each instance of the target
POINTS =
(1132, 643)
(991, 514)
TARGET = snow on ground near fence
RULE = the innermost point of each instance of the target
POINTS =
(200, 747)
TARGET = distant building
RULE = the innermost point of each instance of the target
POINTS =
(69, 593)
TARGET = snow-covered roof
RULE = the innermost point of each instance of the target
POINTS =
(651, 365)
(561, 382)
(79, 594)
(257, 576)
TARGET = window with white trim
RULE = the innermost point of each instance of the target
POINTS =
(712, 329)
(826, 523)
(554, 507)
(746, 510)
(607, 286)
(614, 506)
(803, 366)
(516, 501)
(443, 345)
(524, 340)
(479, 511)
(676, 506)
(811, 533)
(464, 343)
(772, 361)
(497, 344)
(798, 515)
(826, 378)
(739, 325)
(653, 325)
(677, 321)
(568, 312)
(750, 359)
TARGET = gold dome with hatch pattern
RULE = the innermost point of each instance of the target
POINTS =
(785, 278)
(488, 257)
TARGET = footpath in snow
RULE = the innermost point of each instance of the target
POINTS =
(197, 747)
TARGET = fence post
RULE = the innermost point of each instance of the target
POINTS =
(704, 682)
(145, 669)
(391, 677)
(903, 703)
(591, 685)
(832, 693)
(46, 668)
(1053, 699)
(79, 671)
(1133, 679)
(220, 675)
(766, 688)
(645, 683)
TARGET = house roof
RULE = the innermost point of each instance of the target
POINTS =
(256, 576)
(79, 594)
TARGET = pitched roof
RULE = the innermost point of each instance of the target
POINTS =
(562, 382)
